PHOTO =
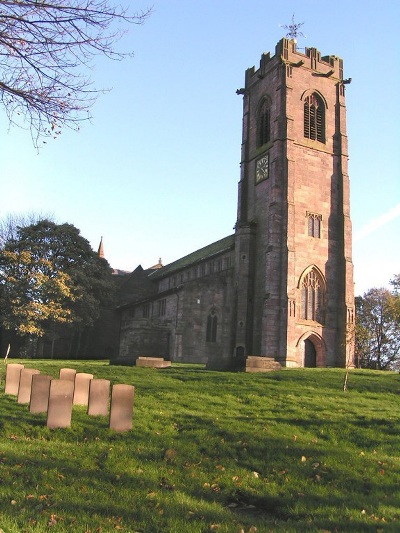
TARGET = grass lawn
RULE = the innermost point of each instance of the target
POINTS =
(284, 451)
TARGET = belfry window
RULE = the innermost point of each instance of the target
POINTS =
(312, 297)
(212, 325)
(314, 118)
(263, 124)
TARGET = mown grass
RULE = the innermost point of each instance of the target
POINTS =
(210, 451)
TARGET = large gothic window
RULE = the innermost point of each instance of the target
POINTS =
(212, 324)
(312, 297)
(314, 118)
(263, 124)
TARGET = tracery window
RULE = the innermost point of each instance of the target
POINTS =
(212, 325)
(314, 118)
(263, 124)
(312, 297)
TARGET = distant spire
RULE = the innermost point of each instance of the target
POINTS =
(100, 251)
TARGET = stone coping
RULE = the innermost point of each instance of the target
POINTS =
(153, 362)
(258, 363)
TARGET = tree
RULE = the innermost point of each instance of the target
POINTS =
(378, 330)
(395, 282)
(10, 223)
(49, 275)
(34, 293)
(43, 45)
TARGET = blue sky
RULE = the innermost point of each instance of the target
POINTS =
(156, 171)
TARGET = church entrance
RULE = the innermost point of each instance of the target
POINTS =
(310, 354)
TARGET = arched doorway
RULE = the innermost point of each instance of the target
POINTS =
(310, 354)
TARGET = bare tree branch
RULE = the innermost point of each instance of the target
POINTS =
(43, 47)
(10, 223)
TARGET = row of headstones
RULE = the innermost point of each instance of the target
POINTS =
(56, 397)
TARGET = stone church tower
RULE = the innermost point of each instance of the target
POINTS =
(293, 280)
(281, 287)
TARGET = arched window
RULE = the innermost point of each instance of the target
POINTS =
(314, 118)
(312, 297)
(212, 325)
(263, 124)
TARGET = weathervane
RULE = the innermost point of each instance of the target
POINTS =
(294, 29)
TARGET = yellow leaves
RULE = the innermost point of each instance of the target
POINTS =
(34, 292)
(53, 520)
(213, 487)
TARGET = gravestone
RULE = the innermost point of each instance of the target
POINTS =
(122, 407)
(59, 411)
(68, 373)
(81, 392)
(99, 397)
(40, 391)
(13, 374)
(25, 384)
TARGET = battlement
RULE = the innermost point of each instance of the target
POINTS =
(286, 52)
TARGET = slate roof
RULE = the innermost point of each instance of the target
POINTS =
(136, 286)
(216, 248)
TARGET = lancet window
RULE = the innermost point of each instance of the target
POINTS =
(212, 325)
(314, 118)
(264, 124)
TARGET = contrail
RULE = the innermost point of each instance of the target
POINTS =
(378, 222)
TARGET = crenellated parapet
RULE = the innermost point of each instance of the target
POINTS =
(286, 52)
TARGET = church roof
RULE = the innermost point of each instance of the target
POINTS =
(216, 248)
(135, 287)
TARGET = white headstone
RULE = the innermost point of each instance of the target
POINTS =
(122, 407)
(59, 412)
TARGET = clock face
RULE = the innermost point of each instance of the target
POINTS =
(262, 168)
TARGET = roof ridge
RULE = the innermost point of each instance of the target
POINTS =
(194, 257)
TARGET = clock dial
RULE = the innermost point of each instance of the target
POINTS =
(262, 168)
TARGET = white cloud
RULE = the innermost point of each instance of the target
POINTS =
(378, 223)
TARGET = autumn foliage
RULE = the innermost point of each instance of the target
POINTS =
(49, 275)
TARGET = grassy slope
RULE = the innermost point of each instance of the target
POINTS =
(226, 452)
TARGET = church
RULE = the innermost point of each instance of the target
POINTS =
(281, 286)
